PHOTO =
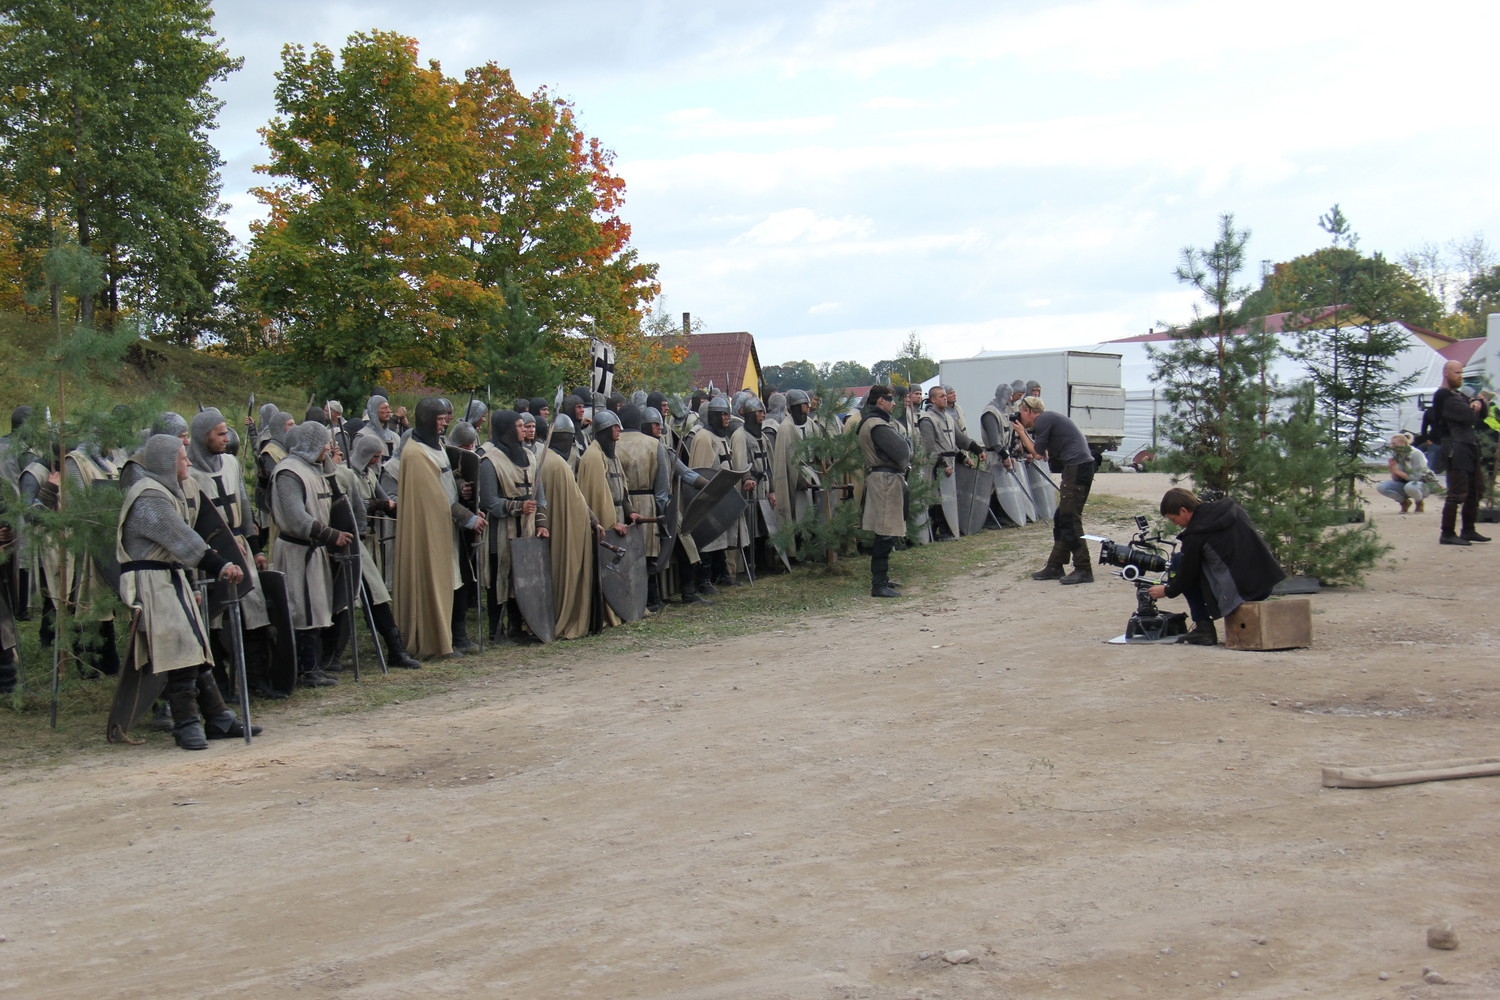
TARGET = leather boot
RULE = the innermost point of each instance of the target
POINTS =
(1083, 569)
(653, 590)
(308, 674)
(1203, 634)
(226, 725)
(395, 647)
(210, 697)
(336, 641)
(1051, 571)
(462, 644)
(182, 695)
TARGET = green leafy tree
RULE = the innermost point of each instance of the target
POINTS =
(659, 359)
(845, 374)
(363, 262)
(1346, 307)
(1480, 297)
(912, 360)
(791, 375)
(105, 111)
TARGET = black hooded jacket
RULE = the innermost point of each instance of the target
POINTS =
(1223, 553)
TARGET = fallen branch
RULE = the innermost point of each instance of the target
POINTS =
(1409, 774)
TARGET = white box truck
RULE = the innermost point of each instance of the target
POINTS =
(1084, 385)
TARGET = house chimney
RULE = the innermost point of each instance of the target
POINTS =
(687, 324)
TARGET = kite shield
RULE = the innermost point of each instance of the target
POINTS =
(622, 574)
(948, 492)
(212, 528)
(531, 573)
(1043, 493)
(974, 490)
(716, 509)
(721, 483)
(1008, 492)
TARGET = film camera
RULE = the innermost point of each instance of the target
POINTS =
(1145, 553)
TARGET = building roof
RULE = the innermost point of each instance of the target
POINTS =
(723, 358)
(1281, 323)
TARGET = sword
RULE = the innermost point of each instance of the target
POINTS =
(237, 648)
(1044, 475)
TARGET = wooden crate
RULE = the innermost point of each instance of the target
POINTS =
(1280, 624)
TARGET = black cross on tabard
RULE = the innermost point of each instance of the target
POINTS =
(224, 500)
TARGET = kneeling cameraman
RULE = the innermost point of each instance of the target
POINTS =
(1223, 561)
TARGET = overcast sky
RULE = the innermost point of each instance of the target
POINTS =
(832, 176)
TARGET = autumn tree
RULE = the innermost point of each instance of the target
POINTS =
(105, 111)
(415, 216)
(546, 204)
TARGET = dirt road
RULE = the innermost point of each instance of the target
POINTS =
(825, 811)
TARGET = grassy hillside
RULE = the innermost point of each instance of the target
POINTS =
(190, 376)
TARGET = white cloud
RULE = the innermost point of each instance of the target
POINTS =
(708, 123)
(803, 225)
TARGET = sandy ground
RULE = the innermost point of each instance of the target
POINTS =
(822, 811)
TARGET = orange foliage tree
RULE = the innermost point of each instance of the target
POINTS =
(432, 224)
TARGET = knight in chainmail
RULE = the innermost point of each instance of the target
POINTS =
(300, 507)
(156, 548)
(358, 480)
(272, 450)
(683, 553)
(377, 416)
(221, 482)
(514, 501)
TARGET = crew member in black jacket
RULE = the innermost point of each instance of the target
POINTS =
(1223, 561)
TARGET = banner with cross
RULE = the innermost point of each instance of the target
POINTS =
(602, 367)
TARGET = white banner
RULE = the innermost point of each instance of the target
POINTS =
(602, 367)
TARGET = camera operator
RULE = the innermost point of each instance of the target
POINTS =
(1223, 561)
(1057, 438)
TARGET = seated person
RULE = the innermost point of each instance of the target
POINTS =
(1222, 563)
(1408, 466)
